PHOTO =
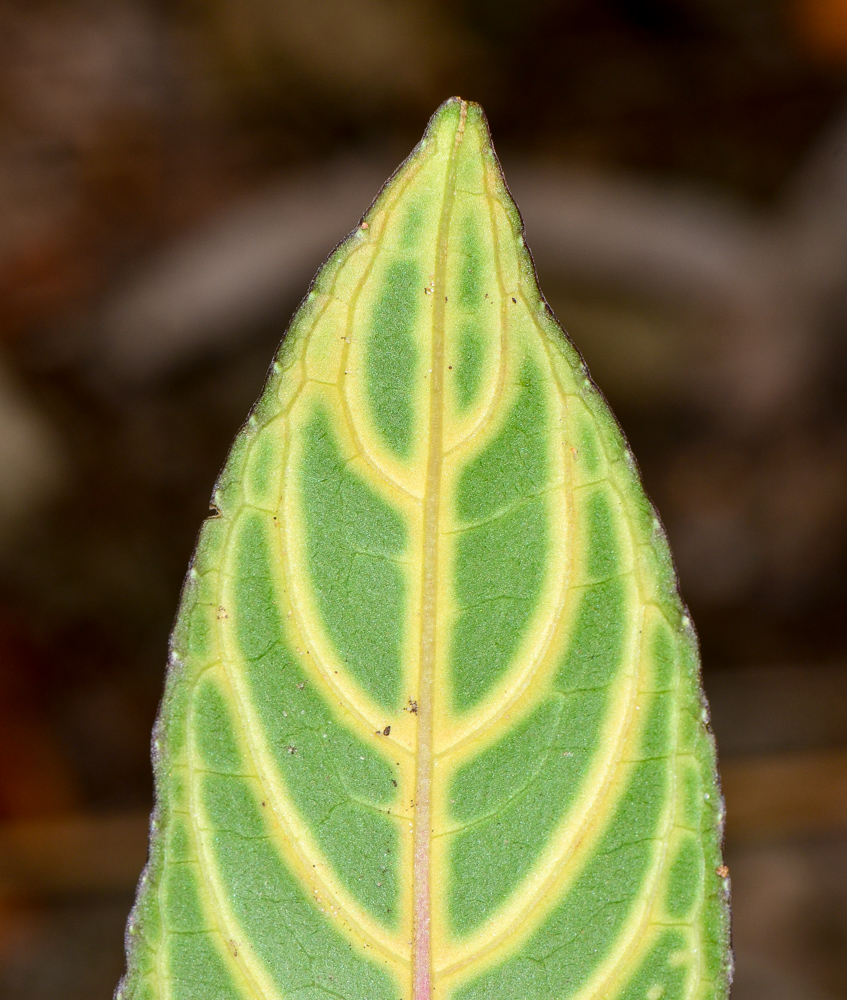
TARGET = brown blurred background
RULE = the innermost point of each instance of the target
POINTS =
(171, 174)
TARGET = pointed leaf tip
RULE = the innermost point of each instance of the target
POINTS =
(433, 726)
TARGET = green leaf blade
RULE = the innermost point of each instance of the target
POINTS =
(433, 725)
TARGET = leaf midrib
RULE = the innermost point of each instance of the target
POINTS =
(422, 837)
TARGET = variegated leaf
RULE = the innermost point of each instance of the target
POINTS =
(433, 725)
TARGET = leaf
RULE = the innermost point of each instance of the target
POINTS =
(433, 725)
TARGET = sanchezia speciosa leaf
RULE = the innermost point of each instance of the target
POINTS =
(433, 725)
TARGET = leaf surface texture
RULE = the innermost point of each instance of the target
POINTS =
(433, 725)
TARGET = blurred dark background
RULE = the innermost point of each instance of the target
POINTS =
(171, 174)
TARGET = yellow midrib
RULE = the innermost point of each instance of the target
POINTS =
(422, 843)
